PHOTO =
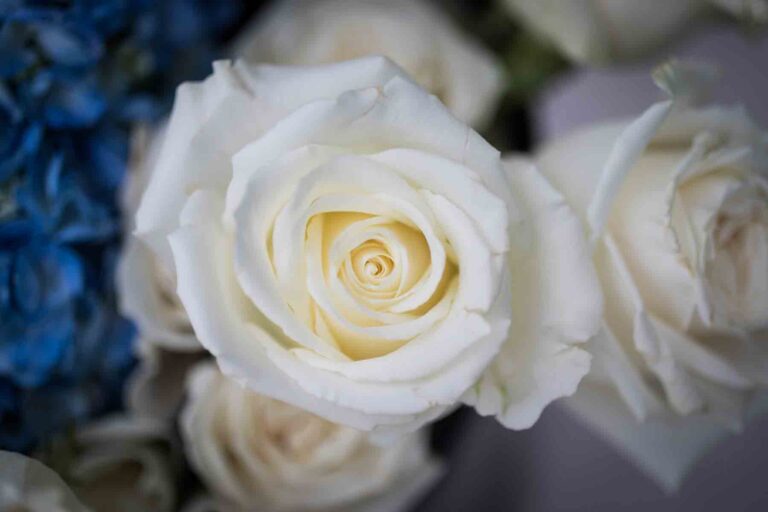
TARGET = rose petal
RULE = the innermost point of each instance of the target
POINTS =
(540, 361)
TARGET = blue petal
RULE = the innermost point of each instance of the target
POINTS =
(45, 277)
(74, 105)
(31, 351)
(69, 46)
(15, 58)
(108, 151)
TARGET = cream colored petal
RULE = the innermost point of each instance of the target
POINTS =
(697, 357)
(644, 226)
(627, 149)
(210, 121)
(557, 304)
(457, 183)
(145, 299)
(677, 383)
(611, 357)
(573, 164)
(479, 281)
(399, 114)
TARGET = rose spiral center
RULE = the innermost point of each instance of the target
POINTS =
(373, 279)
(372, 262)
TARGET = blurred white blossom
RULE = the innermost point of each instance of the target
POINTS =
(419, 38)
(259, 454)
(604, 31)
(676, 203)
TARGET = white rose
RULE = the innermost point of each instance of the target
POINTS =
(601, 31)
(255, 453)
(677, 203)
(27, 485)
(341, 242)
(419, 38)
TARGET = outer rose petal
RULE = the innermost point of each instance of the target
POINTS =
(592, 178)
(574, 171)
(232, 107)
(141, 299)
(627, 149)
(561, 306)
(396, 114)
(666, 447)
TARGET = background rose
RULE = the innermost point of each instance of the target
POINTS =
(167, 346)
(29, 486)
(418, 37)
(122, 463)
(603, 31)
(384, 315)
(677, 203)
(256, 453)
(147, 289)
(156, 387)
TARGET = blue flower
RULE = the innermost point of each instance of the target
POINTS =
(74, 78)
(37, 317)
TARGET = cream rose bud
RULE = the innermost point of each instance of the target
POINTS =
(603, 31)
(342, 243)
(418, 37)
(255, 453)
(677, 204)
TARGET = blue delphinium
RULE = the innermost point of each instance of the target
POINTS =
(74, 77)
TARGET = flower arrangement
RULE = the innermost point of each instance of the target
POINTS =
(247, 264)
